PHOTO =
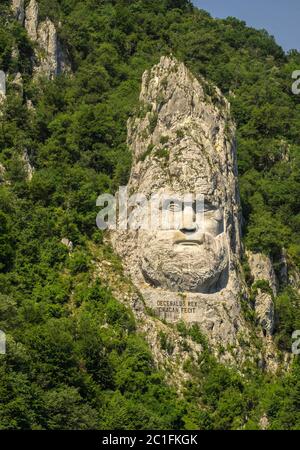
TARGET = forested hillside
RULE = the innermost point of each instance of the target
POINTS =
(74, 358)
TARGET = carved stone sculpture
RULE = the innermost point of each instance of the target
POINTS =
(183, 143)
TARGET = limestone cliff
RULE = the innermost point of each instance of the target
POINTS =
(16, 82)
(31, 20)
(2, 86)
(50, 59)
(2, 173)
(18, 9)
(262, 270)
(183, 141)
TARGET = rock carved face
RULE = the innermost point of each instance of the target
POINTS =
(187, 249)
(183, 144)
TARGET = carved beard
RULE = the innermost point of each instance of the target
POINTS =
(202, 269)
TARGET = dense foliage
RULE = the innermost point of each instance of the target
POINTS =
(74, 357)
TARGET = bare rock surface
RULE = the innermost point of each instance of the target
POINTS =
(183, 141)
(262, 270)
(2, 173)
(67, 243)
(50, 59)
(31, 19)
(2, 86)
(29, 169)
(178, 351)
(18, 10)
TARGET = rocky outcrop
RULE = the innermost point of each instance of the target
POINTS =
(2, 173)
(2, 86)
(262, 270)
(28, 167)
(48, 42)
(183, 141)
(67, 243)
(50, 59)
(18, 10)
(264, 309)
(15, 81)
(294, 278)
(31, 20)
(2, 91)
(283, 270)
(287, 272)
(176, 351)
(264, 422)
(17, 84)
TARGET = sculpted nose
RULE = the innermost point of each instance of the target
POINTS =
(189, 228)
(189, 225)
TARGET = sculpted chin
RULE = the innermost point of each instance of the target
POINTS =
(186, 264)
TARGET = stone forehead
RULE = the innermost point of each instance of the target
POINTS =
(182, 139)
(186, 171)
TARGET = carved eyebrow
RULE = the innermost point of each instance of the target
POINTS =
(207, 206)
(194, 204)
(210, 205)
(167, 203)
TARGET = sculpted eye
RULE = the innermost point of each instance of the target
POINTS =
(172, 206)
(209, 208)
(213, 212)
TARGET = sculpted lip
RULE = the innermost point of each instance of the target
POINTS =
(188, 243)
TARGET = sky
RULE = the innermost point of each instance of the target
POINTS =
(281, 18)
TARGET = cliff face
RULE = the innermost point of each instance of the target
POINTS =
(262, 270)
(50, 59)
(31, 20)
(2, 86)
(183, 141)
(18, 9)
